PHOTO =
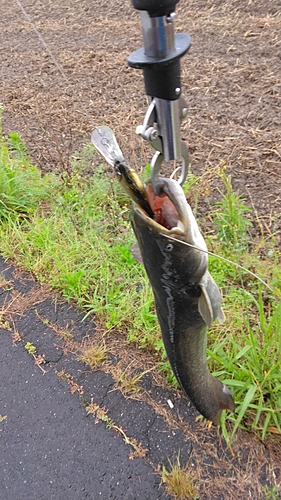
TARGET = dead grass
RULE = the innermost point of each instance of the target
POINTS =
(180, 481)
(128, 379)
(93, 354)
(64, 333)
(217, 471)
(19, 303)
(231, 81)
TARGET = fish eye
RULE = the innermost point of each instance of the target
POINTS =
(169, 247)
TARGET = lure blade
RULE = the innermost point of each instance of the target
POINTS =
(105, 142)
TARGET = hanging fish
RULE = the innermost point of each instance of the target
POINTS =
(175, 257)
(186, 296)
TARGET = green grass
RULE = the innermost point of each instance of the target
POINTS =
(248, 356)
(229, 217)
(180, 482)
(74, 249)
(75, 236)
(271, 493)
(16, 199)
(72, 231)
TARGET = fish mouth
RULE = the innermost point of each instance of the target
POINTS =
(167, 217)
(167, 211)
(172, 215)
(169, 208)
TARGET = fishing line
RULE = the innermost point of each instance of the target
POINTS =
(48, 50)
(28, 18)
(222, 258)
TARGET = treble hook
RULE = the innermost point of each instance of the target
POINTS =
(156, 164)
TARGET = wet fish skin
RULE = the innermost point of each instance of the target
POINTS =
(180, 282)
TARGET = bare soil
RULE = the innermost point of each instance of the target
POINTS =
(231, 80)
(232, 84)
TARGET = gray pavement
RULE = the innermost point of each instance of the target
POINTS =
(50, 447)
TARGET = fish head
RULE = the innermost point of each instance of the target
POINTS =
(172, 236)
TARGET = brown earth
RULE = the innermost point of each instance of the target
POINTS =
(231, 81)
(230, 77)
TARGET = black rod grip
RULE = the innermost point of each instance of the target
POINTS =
(162, 76)
(156, 8)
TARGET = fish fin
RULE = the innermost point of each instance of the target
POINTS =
(135, 249)
(205, 307)
(221, 316)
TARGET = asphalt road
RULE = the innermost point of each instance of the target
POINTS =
(50, 447)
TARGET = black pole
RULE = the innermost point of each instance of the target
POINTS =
(160, 57)
(156, 7)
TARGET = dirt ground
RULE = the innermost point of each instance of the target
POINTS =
(230, 78)
(231, 82)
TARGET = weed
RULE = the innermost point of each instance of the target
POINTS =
(229, 217)
(31, 349)
(126, 254)
(101, 414)
(127, 380)
(16, 337)
(93, 355)
(179, 481)
(4, 323)
(39, 358)
(271, 493)
(73, 386)
(81, 246)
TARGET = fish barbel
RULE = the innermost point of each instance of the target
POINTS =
(186, 296)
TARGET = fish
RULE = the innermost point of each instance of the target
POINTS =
(187, 299)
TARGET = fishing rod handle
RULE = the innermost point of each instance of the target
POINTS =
(160, 57)
(155, 7)
(160, 61)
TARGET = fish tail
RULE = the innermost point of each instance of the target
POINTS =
(224, 398)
